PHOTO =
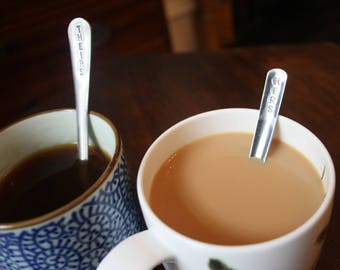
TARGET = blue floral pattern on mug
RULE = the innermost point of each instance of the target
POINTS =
(80, 240)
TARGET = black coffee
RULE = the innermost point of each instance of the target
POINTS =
(48, 180)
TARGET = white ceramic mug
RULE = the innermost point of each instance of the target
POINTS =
(296, 250)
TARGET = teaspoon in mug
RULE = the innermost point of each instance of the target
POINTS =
(79, 35)
(269, 110)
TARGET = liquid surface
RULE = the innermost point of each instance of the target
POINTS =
(48, 180)
(211, 191)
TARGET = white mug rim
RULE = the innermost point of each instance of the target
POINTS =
(234, 248)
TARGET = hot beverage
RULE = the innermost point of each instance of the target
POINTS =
(211, 191)
(48, 180)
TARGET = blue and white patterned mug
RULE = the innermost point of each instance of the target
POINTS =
(79, 234)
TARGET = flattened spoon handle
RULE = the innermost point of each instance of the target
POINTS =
(269, 110)
(79, 35)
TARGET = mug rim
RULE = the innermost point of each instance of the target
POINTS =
(5, 226)
(145, 205)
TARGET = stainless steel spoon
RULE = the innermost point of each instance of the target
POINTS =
(269, 110)
(79, 35)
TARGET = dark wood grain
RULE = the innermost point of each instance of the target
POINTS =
(34, 50)
(145, 94)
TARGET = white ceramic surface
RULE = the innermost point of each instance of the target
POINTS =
(297, 250)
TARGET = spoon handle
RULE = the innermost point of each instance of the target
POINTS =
(269, 110)
(79, 35)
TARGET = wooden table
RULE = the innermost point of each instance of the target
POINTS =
(145, 94)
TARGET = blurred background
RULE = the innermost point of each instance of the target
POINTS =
(34, 53)
(132, 26)
(216, 24)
